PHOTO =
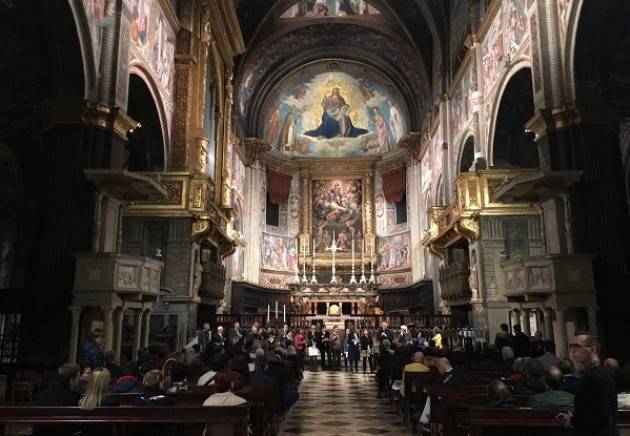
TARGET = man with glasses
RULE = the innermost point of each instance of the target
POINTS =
(596, 397)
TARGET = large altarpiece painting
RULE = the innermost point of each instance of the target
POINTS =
(337, 214)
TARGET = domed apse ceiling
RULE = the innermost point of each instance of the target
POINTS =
(297, 48)
(334, 109)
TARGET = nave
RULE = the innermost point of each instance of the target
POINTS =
(340, 403)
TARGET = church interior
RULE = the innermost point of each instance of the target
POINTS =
(379, 183)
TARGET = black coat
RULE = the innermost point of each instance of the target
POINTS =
(521, 345)
(596, 404)
(457, 377)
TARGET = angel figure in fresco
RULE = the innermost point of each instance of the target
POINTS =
(395, 122)
(325, 242)
(345, 8)
(274, 127)
(287, 134)
(319, 9)
(382, 132)
(335, 119)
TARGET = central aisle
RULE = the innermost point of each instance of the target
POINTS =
(339, 403)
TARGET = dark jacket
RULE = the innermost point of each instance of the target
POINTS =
(258, 377)
(127, 385)
(596, 404)
(90, 354)
(58, 395)
(154, 397)
(521, 345)
(457, 376)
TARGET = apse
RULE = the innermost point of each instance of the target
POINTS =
(333, 109)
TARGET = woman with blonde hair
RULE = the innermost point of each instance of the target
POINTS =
(96, 396)
(96, 391)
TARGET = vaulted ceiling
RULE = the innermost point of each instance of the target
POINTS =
(406, 43)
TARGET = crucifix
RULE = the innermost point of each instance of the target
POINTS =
(333, 249)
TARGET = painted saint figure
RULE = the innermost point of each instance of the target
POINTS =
(382, 132)
(395, 122)
(335, 119)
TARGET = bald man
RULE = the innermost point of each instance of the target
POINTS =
(555, 397)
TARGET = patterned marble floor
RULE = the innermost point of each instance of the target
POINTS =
(339, 403)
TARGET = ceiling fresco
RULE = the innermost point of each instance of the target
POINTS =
(334, 109)
(329, 8)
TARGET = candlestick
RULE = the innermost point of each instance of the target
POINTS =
(296, 278)
(284, 314)
(276, 309)
(304, 279)
(363, 279)
(313, 277)
(268, 310)
(372, 278)
(333, 248)
(353, 278)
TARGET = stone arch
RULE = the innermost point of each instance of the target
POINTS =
(516, 89)
(138, 70)
(90, 68)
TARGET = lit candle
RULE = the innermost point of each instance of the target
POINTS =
(284, 314)
(268, 314)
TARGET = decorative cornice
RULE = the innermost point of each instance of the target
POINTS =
(109, 118)
(552, 120)
(254, 148)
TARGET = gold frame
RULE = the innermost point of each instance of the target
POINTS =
(351, 168)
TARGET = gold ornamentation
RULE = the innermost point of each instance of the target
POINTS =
(199, 227)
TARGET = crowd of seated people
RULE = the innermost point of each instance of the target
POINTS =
(257, 357)
(527, 370)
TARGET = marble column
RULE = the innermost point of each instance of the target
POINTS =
(146, 328)
(547, 323)
(592, 320)
(108, 324)
(120, 316)
(137, 334)
(74, 332)
(560, 333)
(525, 323)
(414, 200)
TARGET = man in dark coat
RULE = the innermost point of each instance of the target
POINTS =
(457, 376)
(596, 397)
(60, 394)
(521, 342)
(91, 353)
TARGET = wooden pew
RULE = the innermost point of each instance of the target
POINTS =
(450, 406)
(262, 400)
(234, 418)
(526, 421)
(418, 381)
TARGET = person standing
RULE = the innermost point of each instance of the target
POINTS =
(235, 336)
(521, 342)
(353, 345)
(334, 355)
(321, 341)
(91, 352)
(385, 333)
(596, 397)
(218, 341)
(366, 350)
(203, 337)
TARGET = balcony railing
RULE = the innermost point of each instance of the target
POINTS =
(454, 281)
(212, 281)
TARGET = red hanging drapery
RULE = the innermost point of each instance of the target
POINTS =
(278, 186)
(395, 185)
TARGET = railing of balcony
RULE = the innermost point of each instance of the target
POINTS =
(454, 281)
(212, 281)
